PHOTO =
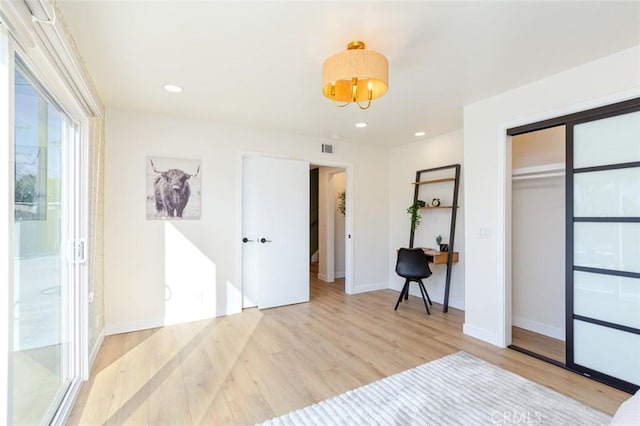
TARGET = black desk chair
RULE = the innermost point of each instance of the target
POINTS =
(412, 265)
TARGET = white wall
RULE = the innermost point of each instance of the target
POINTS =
(609, 79)
(538, 234)
(538, 245)
(339, 185)
(404, 162)
(136, 258)
(332, 225)
(326, 223)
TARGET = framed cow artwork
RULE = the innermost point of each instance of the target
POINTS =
(173, 188)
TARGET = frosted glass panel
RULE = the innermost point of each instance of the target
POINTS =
(607, 245)
(607, 298)
(607, 350)
(607, 193)
(608, 141)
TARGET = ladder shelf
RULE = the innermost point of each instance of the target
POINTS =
(454, 209)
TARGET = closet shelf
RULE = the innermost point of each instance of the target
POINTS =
(537, 172)
(427, 182)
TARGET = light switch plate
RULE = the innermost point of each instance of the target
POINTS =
(485, 232)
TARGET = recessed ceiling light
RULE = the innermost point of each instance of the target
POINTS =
(420, 133)
(361, 125)
(172, 88)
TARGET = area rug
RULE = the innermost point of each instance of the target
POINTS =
(458, 389)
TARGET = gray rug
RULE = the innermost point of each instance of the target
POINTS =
(457, 389)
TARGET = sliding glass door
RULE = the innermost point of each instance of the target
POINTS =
(45, 280)
(603, 252)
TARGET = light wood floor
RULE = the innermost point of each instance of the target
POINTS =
(249, 367)
(539, 343)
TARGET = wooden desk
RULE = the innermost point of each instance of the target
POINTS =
(439, 257)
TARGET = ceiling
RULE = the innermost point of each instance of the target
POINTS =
(258, 64)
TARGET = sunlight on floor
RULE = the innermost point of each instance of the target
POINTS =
(154, 372)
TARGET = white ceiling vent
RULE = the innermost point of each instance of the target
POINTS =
(327, 148)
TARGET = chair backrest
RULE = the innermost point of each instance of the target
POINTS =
(412, 263)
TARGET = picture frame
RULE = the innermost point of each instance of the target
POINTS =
(173, 188)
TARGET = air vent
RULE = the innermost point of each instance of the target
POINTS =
(327, 148)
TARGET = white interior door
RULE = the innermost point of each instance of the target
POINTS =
(250, 245)
(275, 215)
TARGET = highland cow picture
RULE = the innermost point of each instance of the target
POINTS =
(173, 188)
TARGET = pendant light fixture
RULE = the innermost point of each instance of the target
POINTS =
(356, 75)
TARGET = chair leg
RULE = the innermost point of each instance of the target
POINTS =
(423, 291)
(405, 290)
(426, 292)
(406, 294)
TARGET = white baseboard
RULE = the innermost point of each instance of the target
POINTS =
(340, 274)
(323, 277)
(456, 303)
(540, 328)
(315, 256)
(94, 351)
(482, 334)
(413, 291)
(364, 288)
(128, 327)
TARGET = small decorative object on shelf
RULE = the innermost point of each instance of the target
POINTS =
(413, 211)
(435, 202)
(440, 245)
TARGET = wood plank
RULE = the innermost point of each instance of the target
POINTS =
(249, 367)
(539, 343)
(430, 181)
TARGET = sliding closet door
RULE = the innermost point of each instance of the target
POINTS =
(603, 247)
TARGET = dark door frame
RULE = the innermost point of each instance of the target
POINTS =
(569, 121)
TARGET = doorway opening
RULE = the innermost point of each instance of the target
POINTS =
(274, 241)
(327, 225)
(538, 242)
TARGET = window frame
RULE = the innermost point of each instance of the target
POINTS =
(37, 60)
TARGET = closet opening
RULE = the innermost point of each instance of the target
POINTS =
(538, 243)
(582, 232)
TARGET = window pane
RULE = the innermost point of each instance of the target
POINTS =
(607, 298)
(598, 348)
(609, 193)
(613, 246)
(41, 348)
(608, 141)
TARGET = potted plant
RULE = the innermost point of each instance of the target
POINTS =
(414, 211)
(342, 198)
(440, 245)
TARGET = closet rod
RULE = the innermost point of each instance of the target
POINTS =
(537, 176)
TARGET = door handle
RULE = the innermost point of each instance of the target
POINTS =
(264, 240)
(246, 240)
